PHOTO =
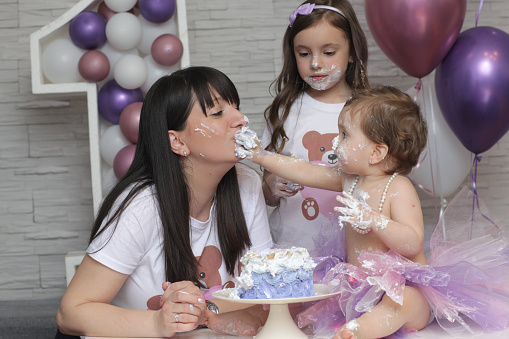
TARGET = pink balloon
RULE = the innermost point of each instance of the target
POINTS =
(94, 66)
(130, 121)
(415, 34)
(167, 49)
(123, 160)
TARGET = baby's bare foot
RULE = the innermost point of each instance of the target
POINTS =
(350, 330)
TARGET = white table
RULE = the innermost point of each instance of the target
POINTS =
(196, 334)
(433, 331)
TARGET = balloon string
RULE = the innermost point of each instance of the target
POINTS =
(426, 103)
(418, 86)
(478, 13)
(475, 201)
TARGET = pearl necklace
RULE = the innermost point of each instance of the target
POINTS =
(380, 205)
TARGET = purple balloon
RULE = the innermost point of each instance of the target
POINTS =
(88, 30)
(112, 99)
(472, 87)
(123, 160)
(157, 11)
(415, 34)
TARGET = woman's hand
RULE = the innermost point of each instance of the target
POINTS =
(183, 306)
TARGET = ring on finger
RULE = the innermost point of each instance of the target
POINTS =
(176, 316)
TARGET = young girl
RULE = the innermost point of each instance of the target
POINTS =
(325, 57)
(386, 283)
(180, 219)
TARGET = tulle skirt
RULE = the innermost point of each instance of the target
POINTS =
(466, 281)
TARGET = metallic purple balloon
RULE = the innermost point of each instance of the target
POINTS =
(112, 99)
(123, 160)
(88, 30)
(415, 34)
(157, 11)
(472, 87)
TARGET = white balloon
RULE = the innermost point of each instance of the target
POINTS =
(113, 56)
(150, 31)
(120, 5)
(445, 162)
(154, 72)
(123, 31)
(59, 61)
(111, 142)
(130, 71)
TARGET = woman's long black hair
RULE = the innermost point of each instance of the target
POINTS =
(166, 107)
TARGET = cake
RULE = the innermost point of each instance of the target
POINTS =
(275, 274)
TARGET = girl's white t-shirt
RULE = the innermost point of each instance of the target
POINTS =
(310, 128)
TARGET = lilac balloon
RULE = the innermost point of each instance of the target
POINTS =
(415, 34)
(472, 87)
(157, 11)
(130, 121)
(167, 50)
(112, 99)
(94, 66)
(123, 160)
(88, 30)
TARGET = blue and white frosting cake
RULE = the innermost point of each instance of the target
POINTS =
(275, 274)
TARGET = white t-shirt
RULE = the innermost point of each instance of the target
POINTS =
(310, 128)
(136, 247)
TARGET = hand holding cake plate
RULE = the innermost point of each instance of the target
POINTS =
(279, 323)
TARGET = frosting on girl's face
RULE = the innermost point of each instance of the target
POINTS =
(322, 53)
(325, 77)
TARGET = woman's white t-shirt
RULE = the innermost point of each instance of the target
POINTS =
(136, 245)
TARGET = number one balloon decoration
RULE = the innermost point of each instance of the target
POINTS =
(123, 46)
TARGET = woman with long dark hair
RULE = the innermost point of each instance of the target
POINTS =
(177, 222)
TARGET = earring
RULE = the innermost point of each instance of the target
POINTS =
(369, 161)
(185, 154)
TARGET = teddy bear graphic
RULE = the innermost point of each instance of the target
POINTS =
(317, 201)
(208, 271)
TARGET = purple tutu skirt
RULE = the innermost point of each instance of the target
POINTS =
(466, 281)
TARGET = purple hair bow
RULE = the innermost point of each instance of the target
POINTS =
(302, 10)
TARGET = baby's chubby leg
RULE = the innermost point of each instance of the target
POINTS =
(244, 322)
(388, 316)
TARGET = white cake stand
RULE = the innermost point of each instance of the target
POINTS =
(279, 323)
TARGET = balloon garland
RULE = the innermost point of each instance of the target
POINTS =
(124, 46)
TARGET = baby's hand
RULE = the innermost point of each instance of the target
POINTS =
(358, 214)
(247, 145)
(246, 142)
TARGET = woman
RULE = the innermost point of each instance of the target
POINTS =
(179, 220)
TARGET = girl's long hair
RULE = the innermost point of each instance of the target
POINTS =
(289, 85)
(167, 106)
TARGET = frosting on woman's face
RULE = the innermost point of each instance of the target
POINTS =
(212, 135)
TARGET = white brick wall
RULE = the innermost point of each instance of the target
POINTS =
(45, 188)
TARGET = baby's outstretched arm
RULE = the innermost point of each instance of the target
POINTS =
(400, 226)
(291, 168)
